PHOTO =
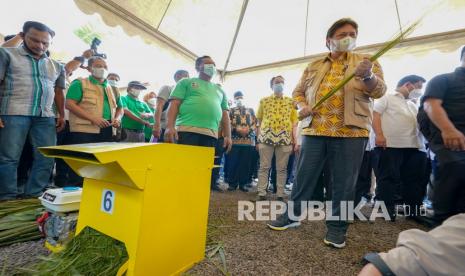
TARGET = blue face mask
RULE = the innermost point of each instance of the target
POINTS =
(209, 69)
(278, 87)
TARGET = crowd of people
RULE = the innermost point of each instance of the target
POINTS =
(400, 135)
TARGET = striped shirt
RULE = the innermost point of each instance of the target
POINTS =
(27, 84)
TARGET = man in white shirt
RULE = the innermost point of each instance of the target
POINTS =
(398, 144)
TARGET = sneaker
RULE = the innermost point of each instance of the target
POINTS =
(280, 198)
(231, 189)
(335, 240)
(260, 198)
(244, 189)
(216, 188)
(282, 223)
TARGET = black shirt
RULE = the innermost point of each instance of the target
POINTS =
(450, 88)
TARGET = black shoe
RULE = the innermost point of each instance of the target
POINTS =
(423, 220)
(216, 188)
(280, 198)
(336, 240)
(244, 189)
(231, 189)
(260, 198)
(282, 223)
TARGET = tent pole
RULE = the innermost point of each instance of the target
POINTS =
(164, 13)
(238, 27)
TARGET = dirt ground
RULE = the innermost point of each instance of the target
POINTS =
(250, 248)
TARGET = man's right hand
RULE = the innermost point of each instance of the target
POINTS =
(380, 141)
(1, 124)
(156, 132)
(88, 53)
(305, 111)
(101, 123)
(171, 135)
(453, 139)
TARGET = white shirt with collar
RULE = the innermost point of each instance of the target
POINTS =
(399, 121)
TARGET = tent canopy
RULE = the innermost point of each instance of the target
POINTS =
(148, 40)
(271, 31)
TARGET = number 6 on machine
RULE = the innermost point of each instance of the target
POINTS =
(108, 200)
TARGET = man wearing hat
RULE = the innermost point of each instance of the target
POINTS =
(243, 125)
(136, 113)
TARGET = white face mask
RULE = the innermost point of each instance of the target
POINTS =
(99, 73)
(152, 101)
(113, 83)
(415, 94)
(345, 44)
(134, 92)
(238, 102)
(209, 69)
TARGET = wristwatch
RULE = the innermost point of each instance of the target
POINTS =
(370, 77)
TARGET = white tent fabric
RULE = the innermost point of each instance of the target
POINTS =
(276, 30)
(149, 39)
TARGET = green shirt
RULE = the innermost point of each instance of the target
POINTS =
(202, 104)
(148, 130)
(75, 93)
(137, 107)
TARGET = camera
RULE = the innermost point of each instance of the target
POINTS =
(95, 43)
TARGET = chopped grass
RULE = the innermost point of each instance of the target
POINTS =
(89, 253)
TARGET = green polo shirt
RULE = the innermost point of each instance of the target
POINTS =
(202, 104)
(137, 107)
(75, 93)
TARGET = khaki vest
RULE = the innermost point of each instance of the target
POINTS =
(92, 102)
(358, 104)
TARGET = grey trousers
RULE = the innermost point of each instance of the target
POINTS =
(344, 157)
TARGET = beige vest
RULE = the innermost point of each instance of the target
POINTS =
(358, 104)
(92, 102)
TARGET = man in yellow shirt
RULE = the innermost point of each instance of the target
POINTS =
(339, 128)
(277, 119)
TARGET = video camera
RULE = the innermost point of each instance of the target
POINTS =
(95, 43)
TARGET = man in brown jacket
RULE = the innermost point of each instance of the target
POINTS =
(337, 131)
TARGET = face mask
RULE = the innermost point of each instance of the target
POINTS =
(238, 102)
(134, 92)
(152, 101)
(415, 94)
(278, 88)
(99, 73)
(209, 69)
(342, 45)
(113, 83)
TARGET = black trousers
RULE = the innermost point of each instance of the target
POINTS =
(405, 168)
(362, 188)
(105, 135)
(196, 139)
(239, 162)
(255, 164)
(290, 167)
(449, 190)
(61, 168)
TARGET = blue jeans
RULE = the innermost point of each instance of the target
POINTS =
(41, 133)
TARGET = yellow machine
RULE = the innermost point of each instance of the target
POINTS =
(152, 197)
